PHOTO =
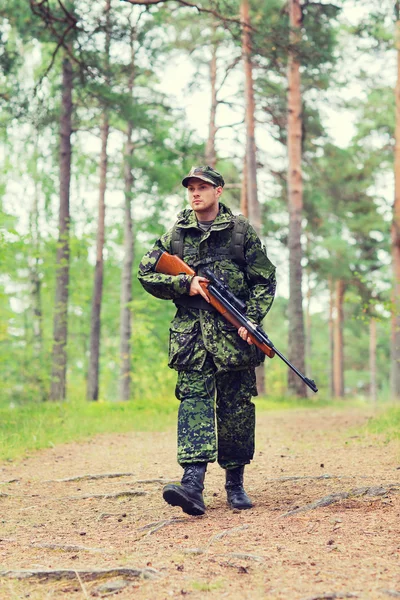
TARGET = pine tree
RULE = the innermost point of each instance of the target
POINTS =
(92, 392)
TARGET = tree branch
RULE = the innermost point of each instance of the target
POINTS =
(200, 9)
(230, 125)
(69, 16)
(53, 58)
(228, 71)
(43, 11)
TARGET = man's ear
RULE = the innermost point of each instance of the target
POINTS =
(219, 190)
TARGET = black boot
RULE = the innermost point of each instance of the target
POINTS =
(237, 497)
(188, 495)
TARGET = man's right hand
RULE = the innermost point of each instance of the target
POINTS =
(196, 289)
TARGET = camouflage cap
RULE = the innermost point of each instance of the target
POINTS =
(206, 174)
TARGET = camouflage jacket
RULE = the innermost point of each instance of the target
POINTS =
(194, 332)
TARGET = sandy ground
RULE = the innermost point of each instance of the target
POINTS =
(57, 534)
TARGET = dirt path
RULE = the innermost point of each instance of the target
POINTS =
(349, 548)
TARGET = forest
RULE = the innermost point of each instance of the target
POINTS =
(106, 106)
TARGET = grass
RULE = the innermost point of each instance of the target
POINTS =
(28, 427)
(207, 586)
(32, 426)
(386, 423)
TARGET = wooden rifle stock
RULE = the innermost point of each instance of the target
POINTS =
(169, 264)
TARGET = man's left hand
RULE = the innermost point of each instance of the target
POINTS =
(244, 334)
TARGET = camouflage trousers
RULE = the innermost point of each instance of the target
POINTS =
(216, 418)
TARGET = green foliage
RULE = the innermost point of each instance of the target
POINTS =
(347, 234)
(356, 335)
(386, 423)
(34, 425)
(343, 216)
(376, 30)
(376, 123)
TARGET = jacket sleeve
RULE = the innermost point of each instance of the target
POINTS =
(167, 287)
(261, 277)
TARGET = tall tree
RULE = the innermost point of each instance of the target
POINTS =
(376, 33)
(125, 378)
(331, 338)
(34, 231)
(295, 200)
(60, 330)
(372, 360)
(291, 118)
(250, 175)
(244, 205)
(210, 153)
(93, 370)
(251, 150)
(343, 218)
(338, 359)
(395, 232)
(210, 59)
(57, 24)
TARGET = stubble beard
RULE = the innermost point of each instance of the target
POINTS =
(200, 211)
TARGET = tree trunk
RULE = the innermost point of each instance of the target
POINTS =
(211, 155)
(36, 320)
(331, 339)
(60, 329)
(253, 205)
(308, 335)
(338, 363)
(251, 153)
(244, 204)
(126, 281)
(92, 392)
(395, 235)
(372, 360)
(295, 199)
(34, 230)
(95, 323)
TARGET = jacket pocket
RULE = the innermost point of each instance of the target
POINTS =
(184, 344)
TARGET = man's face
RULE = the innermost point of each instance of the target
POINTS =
(203, 196)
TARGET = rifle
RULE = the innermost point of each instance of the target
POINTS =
(230, 307)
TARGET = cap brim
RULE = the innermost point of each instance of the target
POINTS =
(185, 182)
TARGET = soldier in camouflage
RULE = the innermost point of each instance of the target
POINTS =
(215, 361)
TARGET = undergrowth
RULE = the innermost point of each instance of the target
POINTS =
(34, 425)
(386, 423)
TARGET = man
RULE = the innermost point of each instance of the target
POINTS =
(215, 361)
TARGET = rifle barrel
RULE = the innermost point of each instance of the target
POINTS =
(256, 331)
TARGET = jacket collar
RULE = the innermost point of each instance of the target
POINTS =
(187, 218)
